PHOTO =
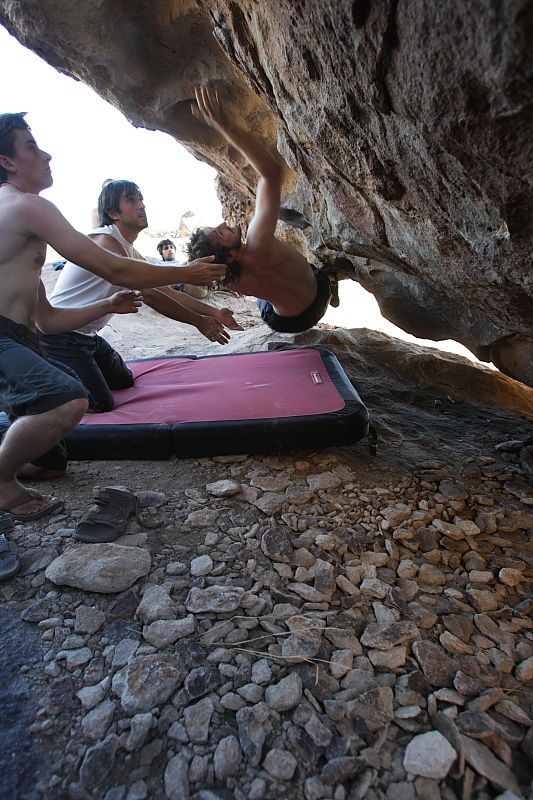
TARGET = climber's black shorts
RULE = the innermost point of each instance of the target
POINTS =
(301, 322)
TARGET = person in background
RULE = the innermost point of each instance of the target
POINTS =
(167, 250)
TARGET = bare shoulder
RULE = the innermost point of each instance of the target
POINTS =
(35, 208)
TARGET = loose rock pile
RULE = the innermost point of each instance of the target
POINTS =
(293, 630)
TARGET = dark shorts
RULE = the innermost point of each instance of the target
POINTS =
(29, 383)
(94, 362)
(301, 322)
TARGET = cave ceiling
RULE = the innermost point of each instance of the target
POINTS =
(406, 128)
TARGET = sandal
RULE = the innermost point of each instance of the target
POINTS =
(27, 496)
(9, 562)
(107, 519)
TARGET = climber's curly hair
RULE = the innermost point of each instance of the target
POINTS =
(200, 246)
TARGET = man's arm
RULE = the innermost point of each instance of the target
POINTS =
(175, 305)
(209, 109)
(50, 319)
(43, 220)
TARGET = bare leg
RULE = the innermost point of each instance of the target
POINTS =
(27, 439)
(34, 473)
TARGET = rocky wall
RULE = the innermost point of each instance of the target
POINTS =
(405, 127)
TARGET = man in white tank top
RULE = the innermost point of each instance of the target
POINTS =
(99, 367)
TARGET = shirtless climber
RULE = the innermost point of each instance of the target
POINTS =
(294, 296)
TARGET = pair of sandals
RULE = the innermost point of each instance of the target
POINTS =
(108, 517)
(104, 522)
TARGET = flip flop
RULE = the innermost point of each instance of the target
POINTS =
(26, 496)
(9, 562)
(107, 519)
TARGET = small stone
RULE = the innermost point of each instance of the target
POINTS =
(269, 503)
(149, 681)
(94, 725)
(203, 518)
(341, 662)
(124, 652)
(524, 671)
(388, 659)
(480, 758)
(90, 696)
(319, 733)
(304, 641)
(407, 569)
(483, 599)
(341, 769)
(429, 574)
(453, 644)
(385, 636)
(105, 568)
(513, 711)
(252, 733)
(224, 488)
(476, 724)
(197, 720)
(271, 483)
(251, 692)
(227, 757)
(176, 568)
(480, 576)
(88, 619)
(140, 726)
(155, 604)
(176, 778)
(217, 599)
(261, 672)
(438, 667)
(281, 764)
(430, 755)
(374, 707)
(286, 694)
(257, 789)
(202, 680)
(510, 577)
(325, 480)
(201, 565)
(163, 632)
(98, 760)
(308, 593)
(373, 587)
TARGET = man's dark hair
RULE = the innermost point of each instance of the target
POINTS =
(162, 244)
(200, 246)
(8, 124)
(109, 199)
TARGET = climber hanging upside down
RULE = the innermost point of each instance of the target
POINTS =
(292, 295)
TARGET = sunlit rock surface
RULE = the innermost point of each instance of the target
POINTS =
(404, 127)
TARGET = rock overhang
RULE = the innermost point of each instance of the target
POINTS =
(405, 129)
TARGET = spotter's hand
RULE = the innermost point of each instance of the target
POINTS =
(203, 272)
(213, 330)
(127, 301)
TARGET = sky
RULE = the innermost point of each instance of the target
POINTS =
(89, 141)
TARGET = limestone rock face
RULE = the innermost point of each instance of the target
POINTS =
(404, 127)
